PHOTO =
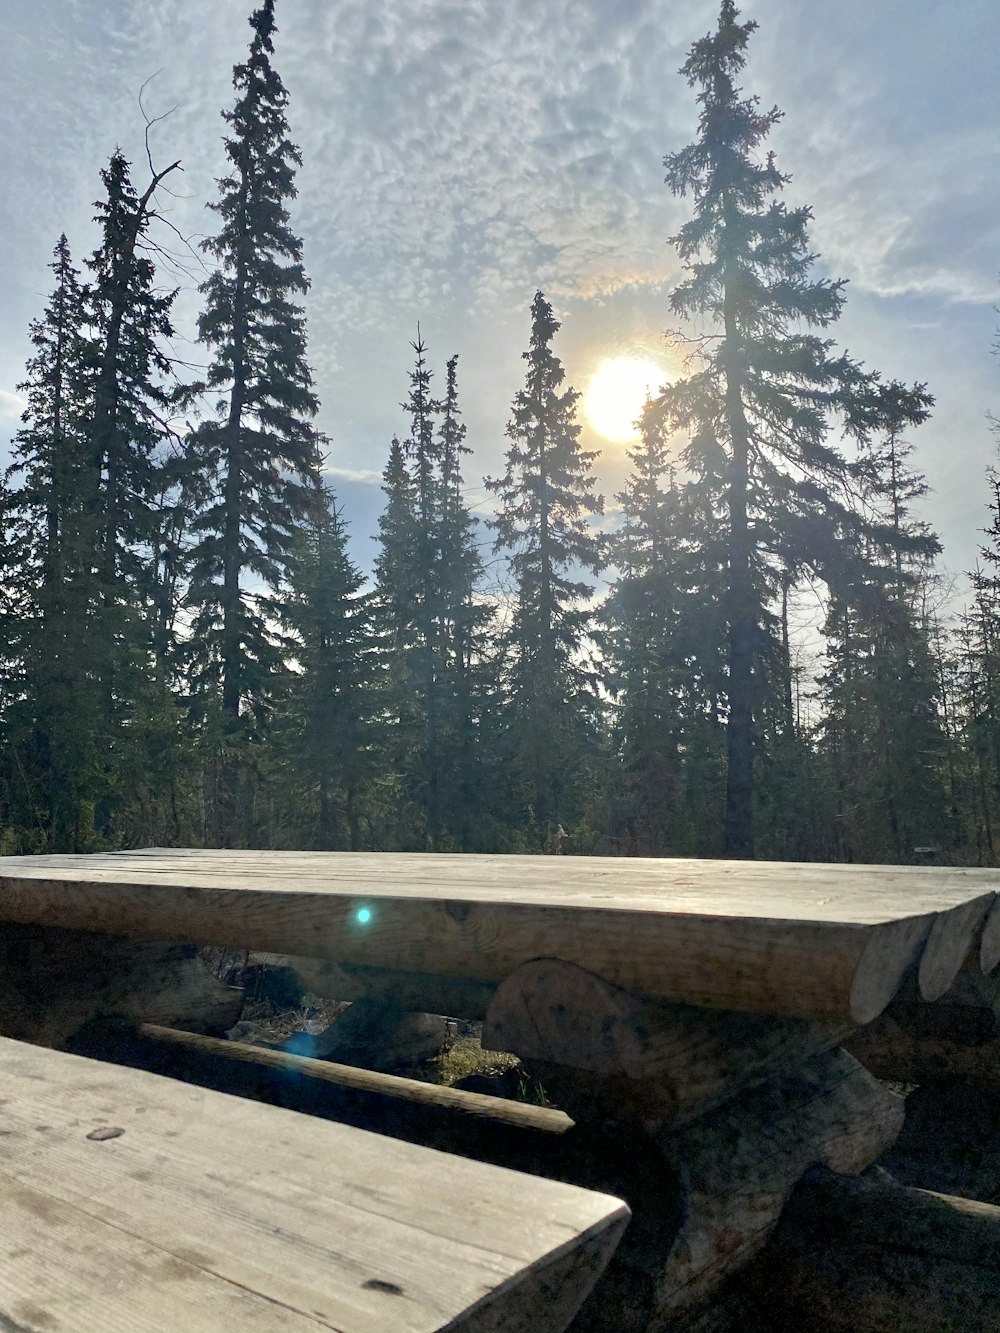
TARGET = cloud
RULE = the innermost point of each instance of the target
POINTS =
(11, 407)
(363, 475)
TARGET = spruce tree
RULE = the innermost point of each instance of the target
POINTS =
(130, 318)
(427, 571)
(83, 500)
(48, 590)
(326, 732)
(769, 388)
(256, 459)
(882, 729)
(130, 379)
(544, 498)
(423, 454)
(464, 621)
(641, 617)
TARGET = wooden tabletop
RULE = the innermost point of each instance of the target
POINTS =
(131, 1203)
(799, 939)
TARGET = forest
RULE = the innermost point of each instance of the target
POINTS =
(191, 656)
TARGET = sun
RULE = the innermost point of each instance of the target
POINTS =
(613, 401)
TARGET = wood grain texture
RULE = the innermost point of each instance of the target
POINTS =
(208, 1213)
(520, 1115)
(667, 1062)
(799, 940)
(873, 1257)
(955, 935)
(739, 1165)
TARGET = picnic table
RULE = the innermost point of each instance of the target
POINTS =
(699, 1006)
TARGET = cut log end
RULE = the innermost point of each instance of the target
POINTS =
(891, 952)
(952, 938)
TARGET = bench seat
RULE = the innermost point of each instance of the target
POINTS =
(131, 1203)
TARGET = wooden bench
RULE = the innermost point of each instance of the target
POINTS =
(697, 1010)
(131, 1203)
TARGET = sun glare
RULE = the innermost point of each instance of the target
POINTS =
(614, 400)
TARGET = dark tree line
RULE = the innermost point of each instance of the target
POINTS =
(192, 657)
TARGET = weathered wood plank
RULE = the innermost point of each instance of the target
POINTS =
(989, 948)
(800, 940)
(229, 1214)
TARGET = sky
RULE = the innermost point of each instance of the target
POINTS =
(457, 156)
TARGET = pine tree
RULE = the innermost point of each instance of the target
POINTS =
(882, 730)
(423, 455)
(131, 386)
(84, 496)
(769, 386)
(50, 702)
(641, 616)
(326, 734)
(465, 618)
(257, 458)
(545, 497)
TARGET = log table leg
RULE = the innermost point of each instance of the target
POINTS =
(738, 1106)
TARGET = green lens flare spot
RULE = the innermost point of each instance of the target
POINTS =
(364, 915)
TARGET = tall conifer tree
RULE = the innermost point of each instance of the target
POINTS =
(545, 497)
(257, 458)
(769, 386)
(50, 704)
(327, 733)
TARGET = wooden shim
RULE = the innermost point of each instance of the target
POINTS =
(53, 981)
(823, 942)
(668, 1061)
(875, 1257)
(459, 997)
(205, 1213)
(739, 1165)
(518, 1114)
(955, 935)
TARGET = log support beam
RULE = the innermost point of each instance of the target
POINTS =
(737, 1106)
(872, 1256)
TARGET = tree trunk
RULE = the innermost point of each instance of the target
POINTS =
(741, 612)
